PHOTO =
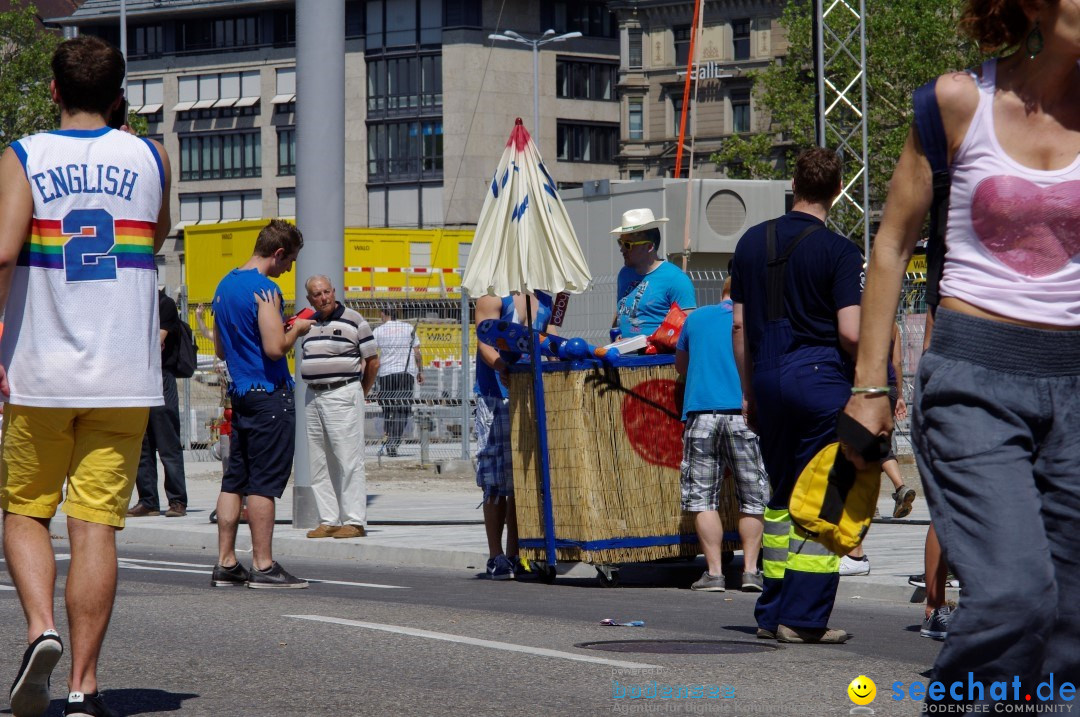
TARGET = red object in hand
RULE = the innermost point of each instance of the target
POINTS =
(225, 429)
(301, 314)
(650, 421)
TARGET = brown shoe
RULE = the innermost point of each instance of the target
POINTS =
(324, 531)
(141, 511)
(176, 510)
(811, 636)
(350, 531)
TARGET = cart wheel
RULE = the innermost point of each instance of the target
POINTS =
(547, 572)
(609, 575)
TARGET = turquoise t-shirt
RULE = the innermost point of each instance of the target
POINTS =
(644, 300)
(712, 380)
(236, 319)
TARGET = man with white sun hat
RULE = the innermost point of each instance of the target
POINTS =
(647, 285)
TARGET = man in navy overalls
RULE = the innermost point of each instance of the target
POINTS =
(796, 287)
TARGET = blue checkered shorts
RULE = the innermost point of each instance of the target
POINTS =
(712, 441)
(494, 461)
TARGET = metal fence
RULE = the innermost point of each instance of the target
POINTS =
(435, 415)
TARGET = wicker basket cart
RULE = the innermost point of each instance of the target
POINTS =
(614, 446)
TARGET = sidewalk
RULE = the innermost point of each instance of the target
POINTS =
(419, 518)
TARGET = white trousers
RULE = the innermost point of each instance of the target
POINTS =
(335, 431)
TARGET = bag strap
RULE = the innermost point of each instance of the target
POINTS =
(776, 268)
(931, 131)
(408, 357)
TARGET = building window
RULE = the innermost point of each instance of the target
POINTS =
(637, 118)
(585, 80)
(589, 17)
(633, 57)
(637, 175)
(220, 156)
(403, 23)
(284, 27)
(596, 143)
(227, 94)
(405, 150)
(217, 34)
(286, 151)
(286, 202)
(740, 34)
(145, 41)
(682, 45)
(676, 112)
(145, 97)
(284, 89)
(405, 85)
(463, 13)
(740, 111)
(227, 207)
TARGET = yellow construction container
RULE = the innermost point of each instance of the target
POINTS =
(407, 265)
(379, 263)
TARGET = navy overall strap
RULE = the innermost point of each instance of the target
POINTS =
(931, 131)
(776, 269)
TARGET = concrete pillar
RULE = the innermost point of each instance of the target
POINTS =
(320, 187)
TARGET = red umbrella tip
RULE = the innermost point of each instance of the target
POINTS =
(519, 136)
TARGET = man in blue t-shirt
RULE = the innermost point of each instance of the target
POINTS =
(647, 286)
(716, 437)
(797, 288)
(250, 335)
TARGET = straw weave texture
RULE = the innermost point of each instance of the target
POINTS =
(614, 445)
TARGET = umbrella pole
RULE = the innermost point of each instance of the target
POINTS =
(542, 437)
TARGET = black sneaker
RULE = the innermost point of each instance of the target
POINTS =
(235, 576)
(30, 691)
(83, 705)
(275, 577)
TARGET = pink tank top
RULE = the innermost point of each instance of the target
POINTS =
(1013, 237)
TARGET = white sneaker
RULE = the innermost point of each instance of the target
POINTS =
(849, 566)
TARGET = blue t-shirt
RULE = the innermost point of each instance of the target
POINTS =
(644, 300)
(236, 320)
(824, 274)
(487, 378)
(712, 380)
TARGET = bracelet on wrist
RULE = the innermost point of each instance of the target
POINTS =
(870, 390)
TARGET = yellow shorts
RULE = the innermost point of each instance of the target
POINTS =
(96, 450)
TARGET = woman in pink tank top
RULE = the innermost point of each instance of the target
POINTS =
(996, 425)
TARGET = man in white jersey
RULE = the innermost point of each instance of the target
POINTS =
(82, 212)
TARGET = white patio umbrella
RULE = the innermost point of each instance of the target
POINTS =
(524, 240)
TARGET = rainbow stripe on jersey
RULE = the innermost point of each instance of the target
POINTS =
(133, 245)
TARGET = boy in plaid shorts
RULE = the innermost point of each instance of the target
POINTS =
(716, 436)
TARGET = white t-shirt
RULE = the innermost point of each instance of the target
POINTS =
(396, 340)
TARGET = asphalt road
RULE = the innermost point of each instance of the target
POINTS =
(383, 640)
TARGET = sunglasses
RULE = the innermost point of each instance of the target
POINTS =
(626, 244)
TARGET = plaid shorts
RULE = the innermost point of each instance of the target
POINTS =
(494, 462)
(712, 441)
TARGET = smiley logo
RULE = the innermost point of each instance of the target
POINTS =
(862, 690)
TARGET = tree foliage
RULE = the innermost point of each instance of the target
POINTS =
(25, 51)
(908, 43)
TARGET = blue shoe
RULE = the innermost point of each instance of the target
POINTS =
(499, 568)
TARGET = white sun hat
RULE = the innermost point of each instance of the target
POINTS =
(638, 220)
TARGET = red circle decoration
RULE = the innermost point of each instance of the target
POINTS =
(654, 433)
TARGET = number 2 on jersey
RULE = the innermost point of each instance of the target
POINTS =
(92, 238)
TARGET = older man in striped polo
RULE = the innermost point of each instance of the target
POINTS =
(340, 363)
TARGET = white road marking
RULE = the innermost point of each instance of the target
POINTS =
(168, 566)
(7, 587)
(447, 637)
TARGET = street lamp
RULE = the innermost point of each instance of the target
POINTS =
(548, 36)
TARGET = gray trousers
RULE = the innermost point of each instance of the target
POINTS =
(996, 431)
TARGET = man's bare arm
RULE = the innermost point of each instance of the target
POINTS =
(164, 221)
